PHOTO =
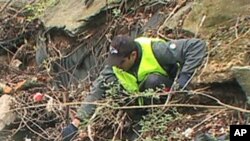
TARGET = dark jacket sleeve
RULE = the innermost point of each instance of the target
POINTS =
(97, 93)
(189, 53)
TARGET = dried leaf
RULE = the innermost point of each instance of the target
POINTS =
(4, 89)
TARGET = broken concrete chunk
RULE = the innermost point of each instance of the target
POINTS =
(242, 75)
(6, 116)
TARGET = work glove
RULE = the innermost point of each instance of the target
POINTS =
(183, 79)
(69, 132)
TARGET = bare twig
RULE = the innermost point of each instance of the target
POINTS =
(190, 130)
(25, 120)
(6, 5)
(236, 27)
(90, 133)
(18, 50)
(177, 7)
(242, 36)
(119, 126)
(200, 123)
(22, 9)
(223, 104)
(6, 49)
(173, 87)
(189, 80)
(199, 26)
(233, 41)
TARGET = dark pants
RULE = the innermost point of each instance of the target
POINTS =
(157, 82)
(154, 81)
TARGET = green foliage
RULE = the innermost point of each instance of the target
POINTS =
(156, 123)
(116, 12)
(114, 89)
(38, 8)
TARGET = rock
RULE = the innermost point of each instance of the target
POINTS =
(242, 75)
(6, 116)
(174, 21)
(72, 14)
(227, 47)
(216, 12)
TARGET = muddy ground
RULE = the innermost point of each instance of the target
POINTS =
(215, 102)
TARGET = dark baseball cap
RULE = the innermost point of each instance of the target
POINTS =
(120, 47)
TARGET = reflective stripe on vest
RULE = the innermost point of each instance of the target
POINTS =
(148, 64)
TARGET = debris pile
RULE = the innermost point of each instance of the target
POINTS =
(46, 72)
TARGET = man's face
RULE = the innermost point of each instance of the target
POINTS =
(128, 62)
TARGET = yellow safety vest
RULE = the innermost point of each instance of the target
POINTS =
(148, 65)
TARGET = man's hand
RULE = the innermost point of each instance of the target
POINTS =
(70, 131)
